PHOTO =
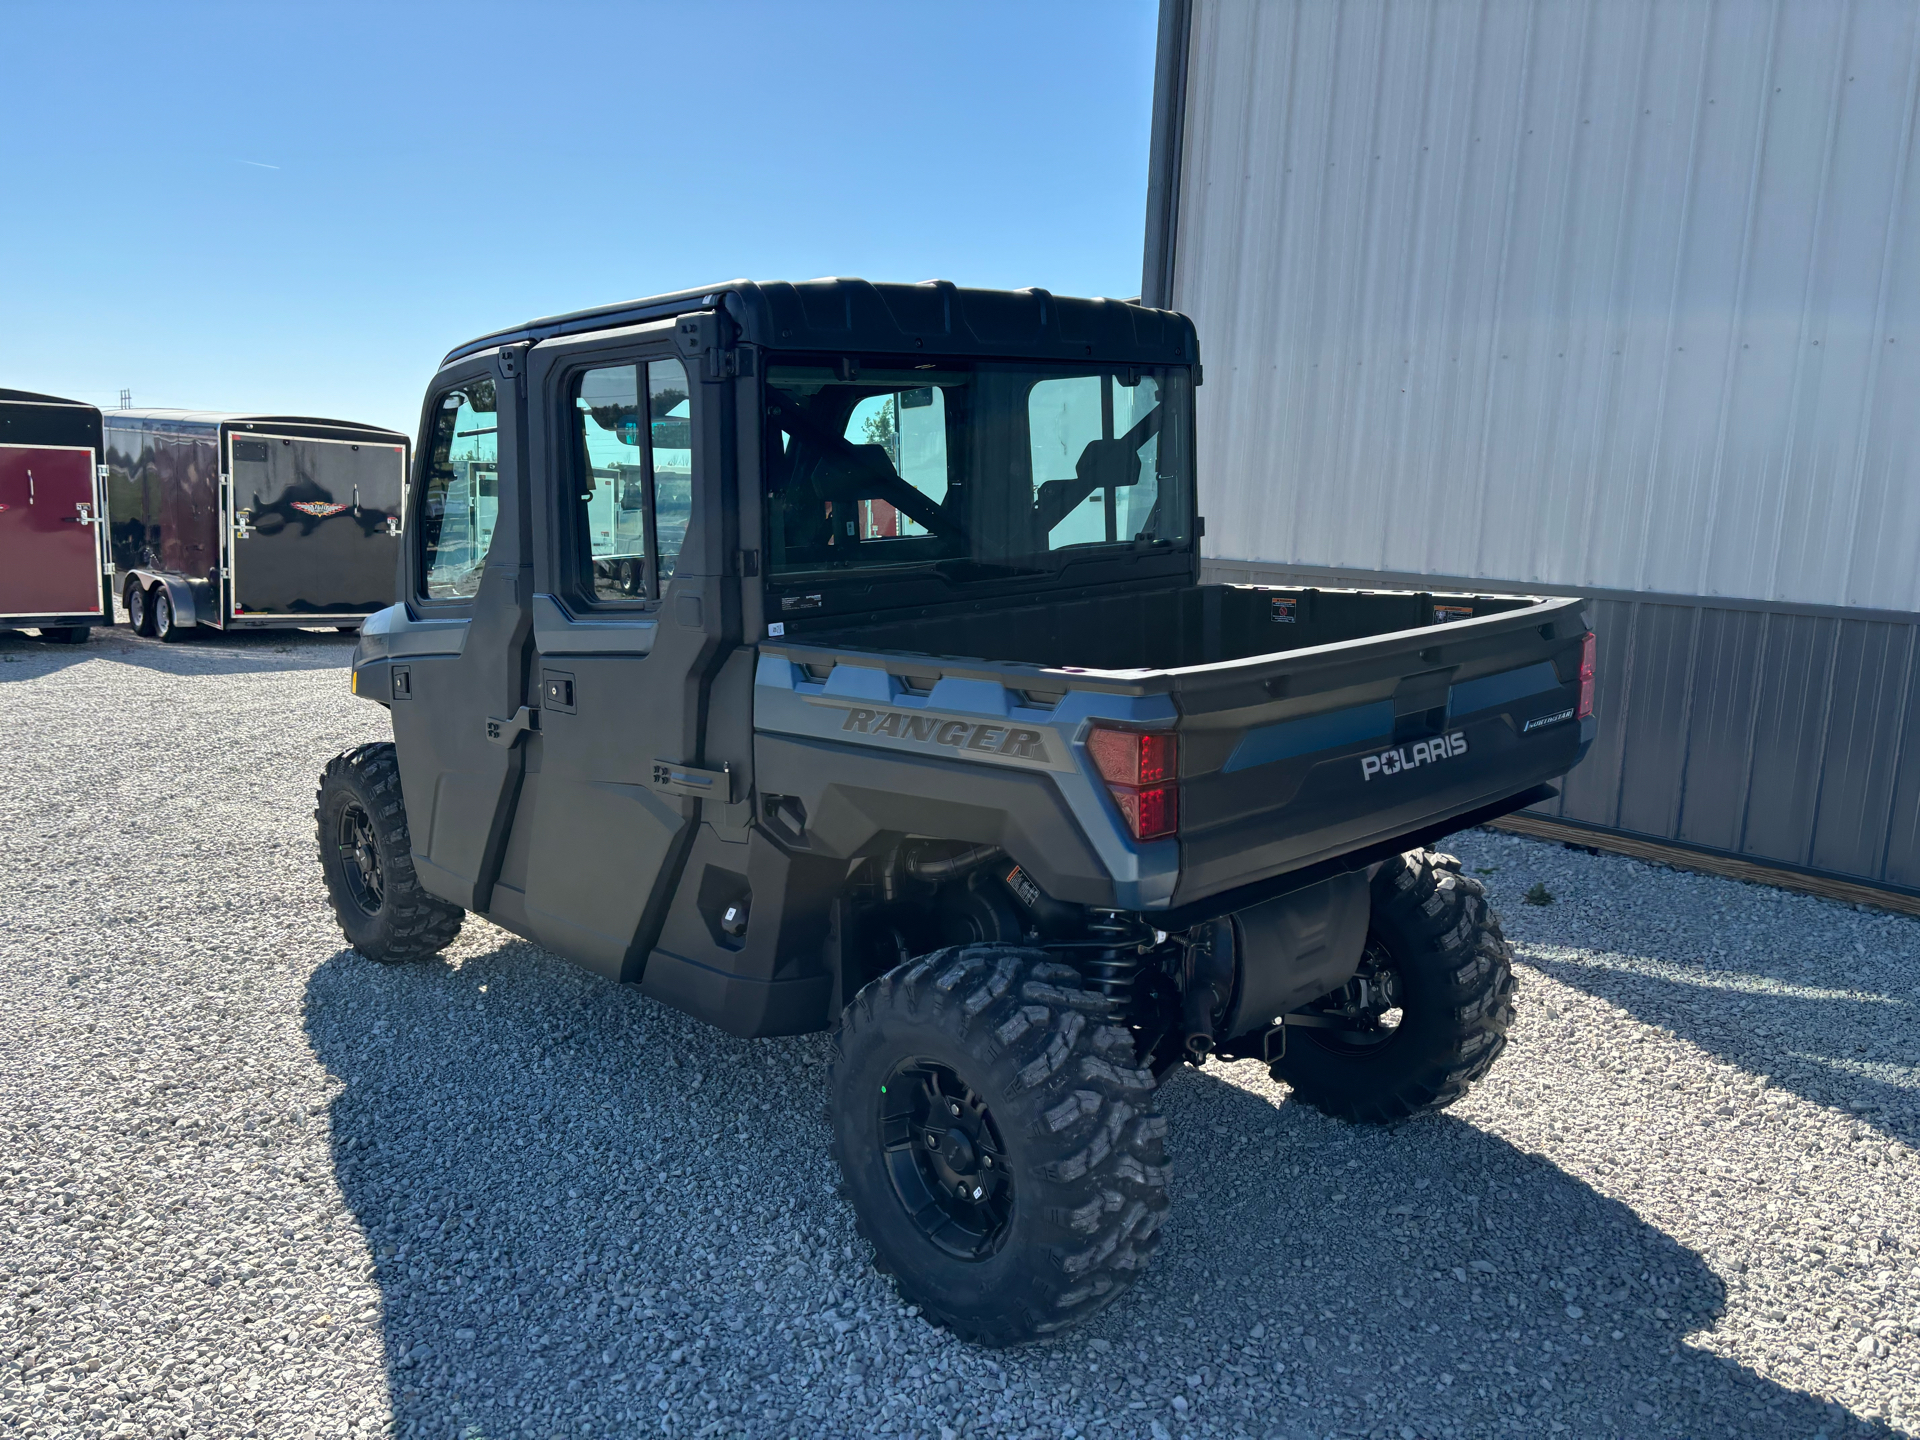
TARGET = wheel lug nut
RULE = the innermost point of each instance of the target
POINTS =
(954, 1108)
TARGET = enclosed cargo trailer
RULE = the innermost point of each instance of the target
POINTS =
(52, 559)
(246, 521)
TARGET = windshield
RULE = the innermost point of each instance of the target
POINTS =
(976, 467)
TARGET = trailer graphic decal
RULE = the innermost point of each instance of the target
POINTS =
(321, 508)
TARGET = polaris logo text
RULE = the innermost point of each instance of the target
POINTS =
(1420, 753)
(1011, 741)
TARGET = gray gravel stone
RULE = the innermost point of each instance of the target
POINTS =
(251, 1183)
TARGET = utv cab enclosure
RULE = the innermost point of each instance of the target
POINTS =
(246, 521)
(52, 562)
(833, 655)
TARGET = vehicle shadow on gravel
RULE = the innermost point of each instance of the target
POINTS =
(1435, 1258)
(591, 1215)
(1811, 1038)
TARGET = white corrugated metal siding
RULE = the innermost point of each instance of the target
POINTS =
(1618, 294)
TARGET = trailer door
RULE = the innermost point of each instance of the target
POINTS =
(314, 525)
(49, 553)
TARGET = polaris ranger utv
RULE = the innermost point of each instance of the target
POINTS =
(833, 655)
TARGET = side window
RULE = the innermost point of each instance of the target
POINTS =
(1094, 442)
(462, 497)
(636, 482)
(671, 431)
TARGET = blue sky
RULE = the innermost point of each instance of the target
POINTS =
(300, 208)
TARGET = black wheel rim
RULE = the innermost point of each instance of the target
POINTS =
(1367, 1012)
(946, 1159)
(360, 857)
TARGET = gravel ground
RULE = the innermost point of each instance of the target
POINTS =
(253, 1184)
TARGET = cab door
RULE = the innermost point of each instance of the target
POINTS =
(459, 642)
(49, 546)
(627, 629)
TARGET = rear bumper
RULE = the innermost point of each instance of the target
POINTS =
(44, 622)
(1358, 858)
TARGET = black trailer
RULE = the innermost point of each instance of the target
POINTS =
(250, 521)
(53, 574)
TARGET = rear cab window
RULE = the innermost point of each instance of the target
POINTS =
(972, 469)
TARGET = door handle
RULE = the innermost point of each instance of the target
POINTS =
(393, 525)
(240, 526)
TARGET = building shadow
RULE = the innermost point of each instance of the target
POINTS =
(591, 1215)
(1824, 1043)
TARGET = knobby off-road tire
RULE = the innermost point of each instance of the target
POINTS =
(1456, 994)
(366, 856)
(1059, 1091)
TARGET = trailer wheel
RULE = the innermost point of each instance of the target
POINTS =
(166, 623)
(139, 609)
(1427, 1014)
(367, 859)
(65, 634)
(997, 1141)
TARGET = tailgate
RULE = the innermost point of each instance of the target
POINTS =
(1293, 758)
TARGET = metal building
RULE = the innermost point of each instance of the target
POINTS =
(1615, 298)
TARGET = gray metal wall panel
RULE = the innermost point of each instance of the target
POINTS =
(1653, 696)
(1774, 735)
(1902, 865)
(1873, 669)
(1721, 727)
(1795, 663)
(1615, 294)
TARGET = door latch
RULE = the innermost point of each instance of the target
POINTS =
(693, 782)
(506, 732)
(241, 526)
(87, 517)
(393, 525)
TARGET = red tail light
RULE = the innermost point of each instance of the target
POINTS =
(1586, 707)
(1140, 768)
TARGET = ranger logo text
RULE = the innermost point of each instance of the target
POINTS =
(1012, 741)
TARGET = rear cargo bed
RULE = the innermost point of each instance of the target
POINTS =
(1312, 723)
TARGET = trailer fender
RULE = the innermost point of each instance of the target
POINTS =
(179, 591)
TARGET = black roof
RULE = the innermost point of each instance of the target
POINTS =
(28, 397)
(935, 316)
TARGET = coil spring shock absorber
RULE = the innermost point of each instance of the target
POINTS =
(1127, 945)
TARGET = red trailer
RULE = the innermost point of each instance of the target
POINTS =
(53, 562)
